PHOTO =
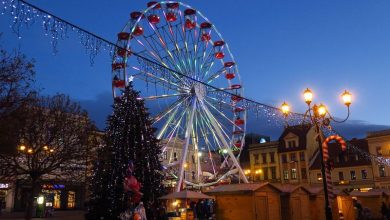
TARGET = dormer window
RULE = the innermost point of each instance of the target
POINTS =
(291, 144)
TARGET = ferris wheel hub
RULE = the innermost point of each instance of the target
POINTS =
(199, 91)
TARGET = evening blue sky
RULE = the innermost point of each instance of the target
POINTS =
(281, 47)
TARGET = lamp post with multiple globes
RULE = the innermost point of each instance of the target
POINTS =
(319, 116)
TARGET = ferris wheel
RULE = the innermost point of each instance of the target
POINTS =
(184, 68)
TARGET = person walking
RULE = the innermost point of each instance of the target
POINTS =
(384, 210)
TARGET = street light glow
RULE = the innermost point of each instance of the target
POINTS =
(22, 148)
(285, 108)
(308, 95)
(347, 98)
(322, 110)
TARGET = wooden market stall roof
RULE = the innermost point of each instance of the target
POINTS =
(243, 188)
(186, 194)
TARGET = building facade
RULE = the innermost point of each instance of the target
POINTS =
(350, 170)
(379, 145)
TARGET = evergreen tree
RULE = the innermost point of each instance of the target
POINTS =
(129, 138)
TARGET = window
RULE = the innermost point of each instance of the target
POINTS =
(284, 158)
(341, 176)
(319, 176)
(293, 173)
(382, 172)
(264, 157)
(174, 156)
(265, 171)
(272, 156)
(256, 157)
(193, 175)
(364, 174)
(303, 173)
(291, 144)
(293, 157)
(193, 159)
(165, 155)
(302, 156)
(273, 173)
(356, 157)
(71, 199)
(57, 199)
(285, 174)
(353, 175)
(379, 151)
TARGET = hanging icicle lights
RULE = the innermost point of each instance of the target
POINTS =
(25, 14)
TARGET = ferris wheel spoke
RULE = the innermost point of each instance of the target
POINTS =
(159, 79)
(167, 111)
(216, 75)
(161, 96)
(165, 86)
(216, 140)
(164, 128)
(187, 137)
(164, 47)
(173, 32)
(220, 102)
(229, 151)
(174, 131)
(207, 142)
(222, 114)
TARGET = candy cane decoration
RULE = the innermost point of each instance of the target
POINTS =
(325, 156)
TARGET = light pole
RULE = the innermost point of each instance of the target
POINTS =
(319, 116)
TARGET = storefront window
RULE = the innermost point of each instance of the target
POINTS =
(71, 199)
(57, 199)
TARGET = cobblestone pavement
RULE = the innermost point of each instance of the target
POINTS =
(58, 215)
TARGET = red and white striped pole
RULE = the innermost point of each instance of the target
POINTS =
(325, 155)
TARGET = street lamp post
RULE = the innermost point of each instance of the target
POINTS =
(319, 116)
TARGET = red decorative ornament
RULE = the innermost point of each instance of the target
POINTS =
(230, 76)
(190, 24)
(124, 36)
(206, 37)
(118, 83)
(154, 19)
(239, 122)
(238, 144)
(219, 55)
(171, 17)
(135, 15)
(156, 6)
(138, 31)
(236, 98)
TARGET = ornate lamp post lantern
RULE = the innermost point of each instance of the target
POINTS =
(319, 116)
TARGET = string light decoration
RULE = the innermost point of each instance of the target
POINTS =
(131, 149)
(25, 14)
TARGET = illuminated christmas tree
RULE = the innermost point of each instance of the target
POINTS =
(129, 140)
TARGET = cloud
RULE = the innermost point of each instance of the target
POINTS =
(100, 108)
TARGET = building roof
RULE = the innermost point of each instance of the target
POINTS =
(346, 158)
(244, 187)
(270, 144)
(300, 131)
(287, 188)
(378, 133)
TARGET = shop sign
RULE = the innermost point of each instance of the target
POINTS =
(4, 185)
(53, 186)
